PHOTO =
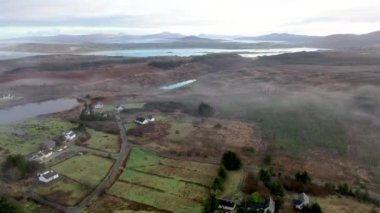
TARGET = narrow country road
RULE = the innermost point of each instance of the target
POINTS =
(124, 150)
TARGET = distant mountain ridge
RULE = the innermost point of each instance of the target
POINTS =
(285, 37)
(331, 41)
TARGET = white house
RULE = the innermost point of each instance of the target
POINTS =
(303, 200)
(226, 205)
(143, 120)
(48, 176)
(99, 105)
(119, 108)
(8, 97)
(70, 135)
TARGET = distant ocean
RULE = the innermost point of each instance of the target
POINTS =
(251, 53)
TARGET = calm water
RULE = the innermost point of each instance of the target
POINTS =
(30, 110)
(198, 51)
(178, 84)
(4, 55)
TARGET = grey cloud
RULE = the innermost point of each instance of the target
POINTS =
(357, 15)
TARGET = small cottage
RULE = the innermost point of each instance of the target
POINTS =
(226, 205)
(142, 120)
(303, 200)
(48, 176)
(70, 135)
(99, 105)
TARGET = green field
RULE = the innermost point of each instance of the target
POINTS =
(130, 125)
(133, 106)
(163, 183)
(151, 197)
(37, 131)
(87, 169)
(232, 186)
(66, 192)
(103, 141)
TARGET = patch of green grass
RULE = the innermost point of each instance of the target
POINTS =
(88, 169)
(103, 141)
(166, 184)
(31, 207)
(133, 106)
(161, 118)
(140, 158)
(37, 131)
(155, 198)
(150, 179)
(106, 108)
(232, 185)
(130, 125)
(193, 172)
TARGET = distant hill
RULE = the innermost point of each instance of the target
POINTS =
(100, 38)
(284, 37)
(195, 39)
(337, 41)
(348, 40)
(331, 41)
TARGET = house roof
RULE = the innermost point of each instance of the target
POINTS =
(226, 203)
(49, 174)
(254, 205)
(140, 119)
(303, 197)
(297, 202)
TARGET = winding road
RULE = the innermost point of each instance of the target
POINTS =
(114, 171)
(106, 182)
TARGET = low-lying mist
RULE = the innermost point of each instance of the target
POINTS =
(298, 118)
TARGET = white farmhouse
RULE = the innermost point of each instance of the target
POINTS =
(70, 135)
(99, 105)
(143, 120)
(303, 200)
(48, 176)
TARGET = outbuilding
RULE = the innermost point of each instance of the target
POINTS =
(48, 176)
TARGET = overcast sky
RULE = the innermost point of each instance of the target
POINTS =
(229, 17)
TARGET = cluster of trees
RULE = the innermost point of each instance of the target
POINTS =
(205, 110)
(211, 204)
(231, 161)
(16, 167)
(220, 179)
(268, 159)
(302, 177)
(275, 187)
(313, 208)
(344, 189)
(8, 205)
